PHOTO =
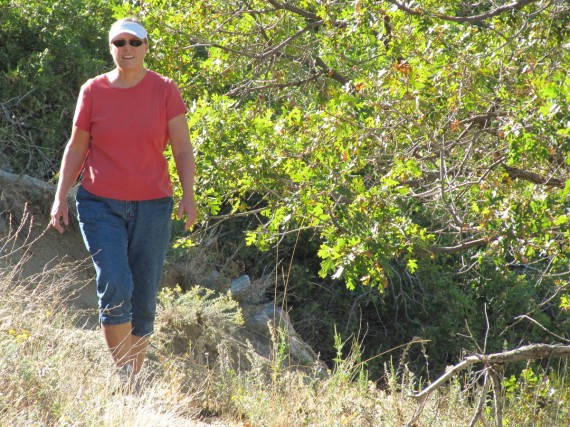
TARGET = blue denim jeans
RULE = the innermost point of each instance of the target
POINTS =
(127, 241)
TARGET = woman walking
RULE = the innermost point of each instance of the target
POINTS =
(123, 121)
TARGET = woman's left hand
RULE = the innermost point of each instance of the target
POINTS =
(187, 208)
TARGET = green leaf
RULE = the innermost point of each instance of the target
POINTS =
(412, 265)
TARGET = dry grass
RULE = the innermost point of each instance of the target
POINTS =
(56, 372)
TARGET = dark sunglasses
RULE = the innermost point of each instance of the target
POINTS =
(132, 42)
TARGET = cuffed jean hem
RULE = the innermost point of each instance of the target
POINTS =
(121, 322)
(114, 322)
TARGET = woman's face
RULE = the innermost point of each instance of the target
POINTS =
(127, 56)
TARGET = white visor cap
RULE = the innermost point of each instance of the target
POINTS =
(129, 27)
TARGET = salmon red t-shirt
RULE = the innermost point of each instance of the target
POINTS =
(129, 133)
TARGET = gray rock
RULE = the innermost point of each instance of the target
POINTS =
(240, 288)
(271, 316)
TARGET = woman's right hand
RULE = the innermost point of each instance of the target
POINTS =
(73, 159)
(59, 212)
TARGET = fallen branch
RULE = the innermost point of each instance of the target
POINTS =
(528, 352)
(493, 369)
(17, 190)
(25, 183)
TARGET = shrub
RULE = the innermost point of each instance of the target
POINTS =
(47, 50)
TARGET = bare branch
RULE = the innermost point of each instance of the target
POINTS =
(294, 9)
(462, 247)
(276, 85)
(535, 178)
(219, 46)
(530, 319)
(482, 400)
(304, 13)
(474, 18)
(236, 214)
(415, 12)
(288, 40)
(331, 73)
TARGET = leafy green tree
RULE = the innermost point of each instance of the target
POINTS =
(406, 139)
(419, 149)
(390, 130)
